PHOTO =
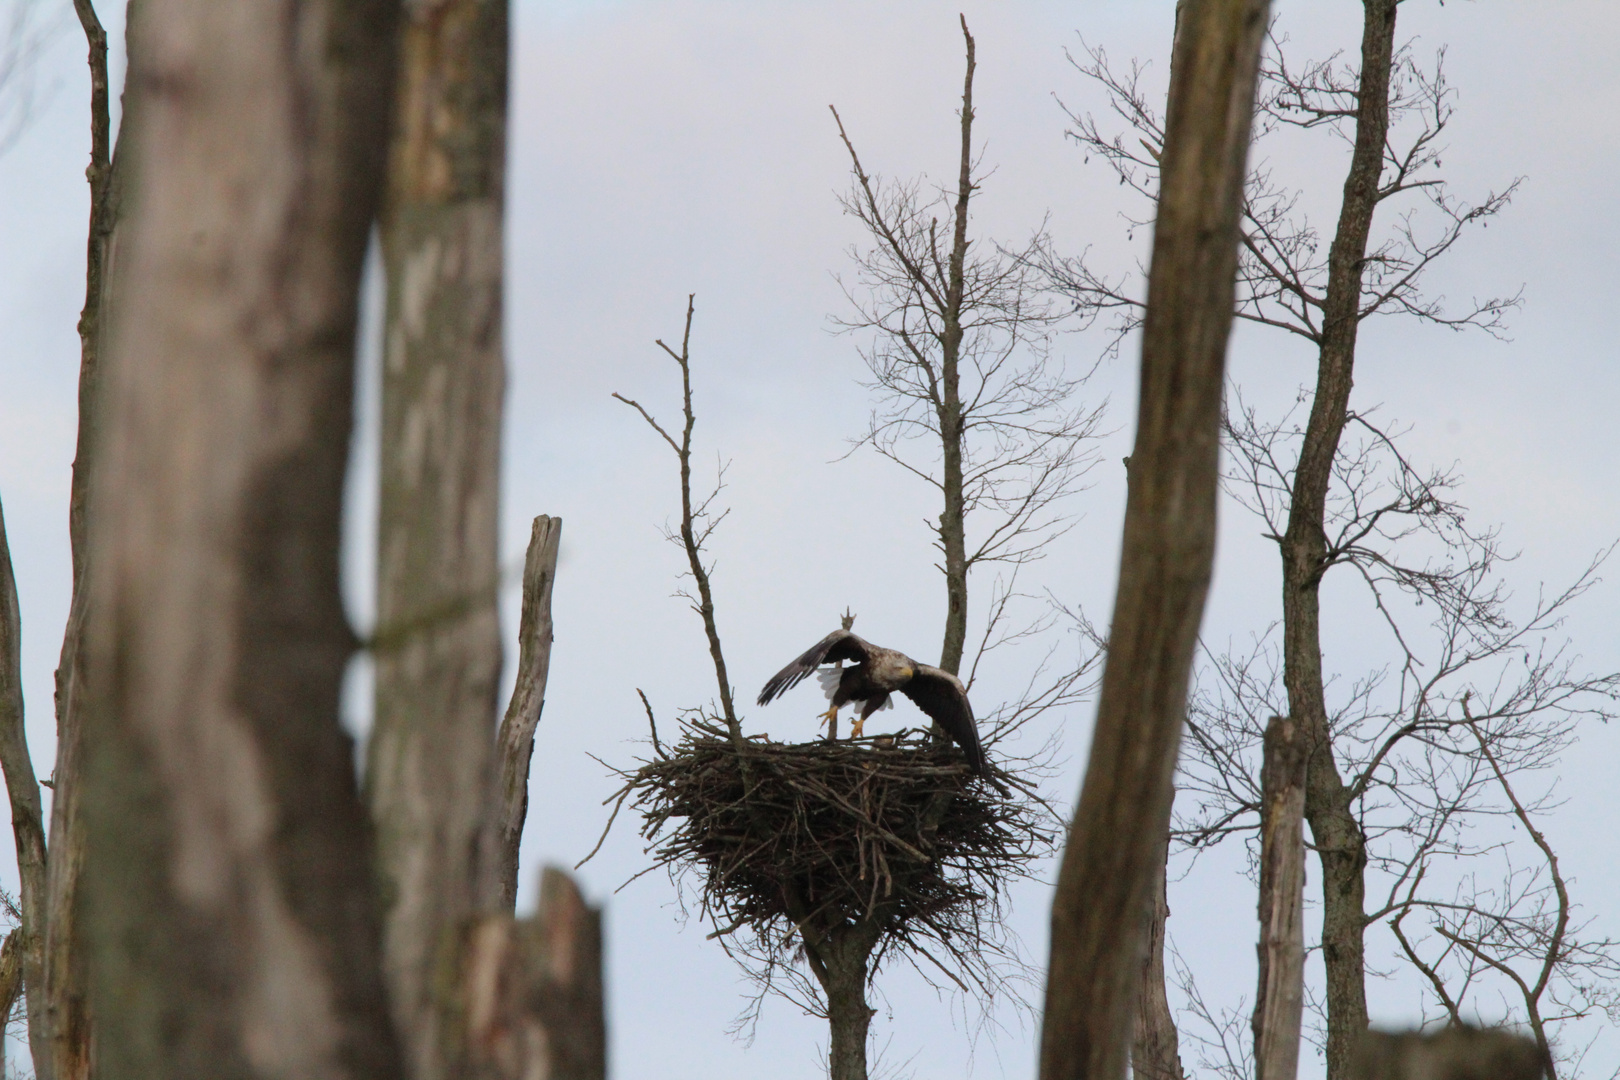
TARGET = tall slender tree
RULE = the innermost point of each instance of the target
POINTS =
(1106, 881)
(968, 395)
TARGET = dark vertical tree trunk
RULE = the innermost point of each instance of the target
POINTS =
(1117, 838)
(1340, 845)
(429, 779)
(1280, 997)
(230, 911)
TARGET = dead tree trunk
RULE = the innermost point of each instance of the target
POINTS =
(60, 1031)
(25, 947)
(1280, 998)
(532, 993)
(229, 897)
(429, 779)
(1155, 1046)
(514, 746)
(1340, 845)
(1119, 830)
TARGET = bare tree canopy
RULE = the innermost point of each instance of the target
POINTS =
(1402, 766)
(968, 396)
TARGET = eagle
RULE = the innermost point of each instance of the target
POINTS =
(877, 673)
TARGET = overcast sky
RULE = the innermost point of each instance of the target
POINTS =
(665, 148)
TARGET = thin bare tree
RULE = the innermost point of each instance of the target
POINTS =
(22, 959)
(969, 398)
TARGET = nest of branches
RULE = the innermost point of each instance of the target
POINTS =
(890, 832)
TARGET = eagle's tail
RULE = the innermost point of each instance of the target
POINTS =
(828, 677)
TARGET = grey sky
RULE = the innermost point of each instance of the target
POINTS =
(661, 148)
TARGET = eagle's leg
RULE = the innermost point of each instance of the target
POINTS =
(855, 727)
(829, 720)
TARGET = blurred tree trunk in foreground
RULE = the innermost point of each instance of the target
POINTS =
(429, 779)
(1117, 839)
(532, 990)
(229, 900)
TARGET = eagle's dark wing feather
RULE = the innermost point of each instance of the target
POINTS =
(838, 645)
(940, 694)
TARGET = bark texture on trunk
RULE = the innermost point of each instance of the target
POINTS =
(25, 947)
(1155, 1046)
(1105, 882)
(532, 990)
(429, 779)
(229, 903)
(1340, 845)
(11, 981)
(61, 1036)
(1279, 1000)
(844, 955)
(514, 747)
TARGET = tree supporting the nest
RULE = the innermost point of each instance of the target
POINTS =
(848, 849)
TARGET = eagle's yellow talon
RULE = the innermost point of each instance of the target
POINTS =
(829, 717)
(855, 727)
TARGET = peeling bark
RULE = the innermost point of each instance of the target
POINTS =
(1280, 997)
(514, 747)
(532, 990)
(228, 893)
(1155, 1046)
(1105, 882)
(429, 777)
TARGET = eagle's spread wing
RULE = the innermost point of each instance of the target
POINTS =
(941, 695)
(838, 645)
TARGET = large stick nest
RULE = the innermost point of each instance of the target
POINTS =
(889, 831)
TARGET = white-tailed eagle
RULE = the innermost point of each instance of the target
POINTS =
(875, 674)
